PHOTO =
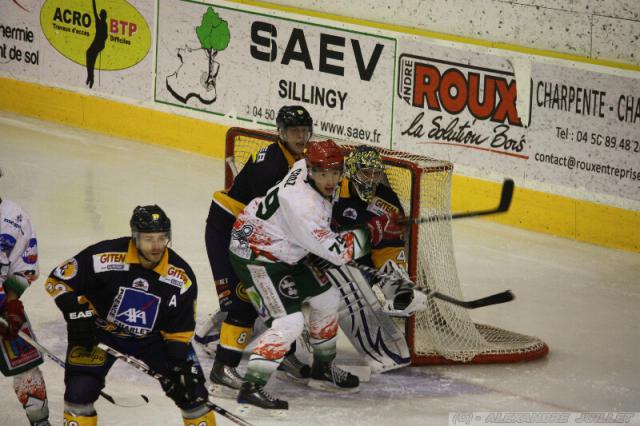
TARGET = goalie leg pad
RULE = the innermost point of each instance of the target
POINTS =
(371, 331)
(209, 331)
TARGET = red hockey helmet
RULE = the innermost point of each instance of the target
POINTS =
(324, 155)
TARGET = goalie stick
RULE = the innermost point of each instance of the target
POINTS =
(136, 363)
(494, 299)
(503, 207)
(33, 342)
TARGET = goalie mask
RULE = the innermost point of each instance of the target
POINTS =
(365, 170)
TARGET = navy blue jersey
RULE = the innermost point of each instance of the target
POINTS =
(128, 299)
(263, 170)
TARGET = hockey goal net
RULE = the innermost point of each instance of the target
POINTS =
(444, 333)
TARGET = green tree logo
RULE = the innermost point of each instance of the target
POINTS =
(213, 34)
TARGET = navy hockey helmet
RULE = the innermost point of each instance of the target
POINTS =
(149, 219)
(293, 115)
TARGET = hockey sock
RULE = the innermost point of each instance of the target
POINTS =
(233, 340)
(324, 350)
(72, 419)
(32, 394)
(199, 416)
(259, 369)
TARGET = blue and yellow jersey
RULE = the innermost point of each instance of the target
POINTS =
(128, 299)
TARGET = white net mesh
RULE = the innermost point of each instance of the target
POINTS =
(443, 333)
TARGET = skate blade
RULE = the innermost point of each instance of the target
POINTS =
(328, 387)
(221, 391)
(252, 412)
(290, 378)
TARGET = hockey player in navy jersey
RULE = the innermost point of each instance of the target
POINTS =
(263, 170)
(138, 296)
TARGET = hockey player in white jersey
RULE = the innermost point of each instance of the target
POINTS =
(18, 268)
(270, 244)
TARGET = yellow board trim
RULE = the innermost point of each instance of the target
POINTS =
(114, 118)
(552, 214)
(533, 210)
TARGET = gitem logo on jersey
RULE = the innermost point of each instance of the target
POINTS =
(177, 277)
(134, 311)
(104, 262)
(67, 270)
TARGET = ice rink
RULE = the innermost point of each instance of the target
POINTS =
(582, 300)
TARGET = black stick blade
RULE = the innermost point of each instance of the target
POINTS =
(507, 194)
(494, 299)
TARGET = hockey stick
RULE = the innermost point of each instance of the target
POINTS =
(119, 402)
(136, 363)
(494, 299)
(503, 207)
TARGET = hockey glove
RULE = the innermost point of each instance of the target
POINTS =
(184, 382)
(385, 226)
(80, 323)
(14, 314)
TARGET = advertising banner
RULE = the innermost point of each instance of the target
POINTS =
(98, 45)
(583, 134)
(247, 65)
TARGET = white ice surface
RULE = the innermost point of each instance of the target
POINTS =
(583, 300)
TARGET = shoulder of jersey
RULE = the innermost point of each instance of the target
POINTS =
(268, 152)
(179, 273)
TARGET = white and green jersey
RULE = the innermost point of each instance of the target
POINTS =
(292, 220)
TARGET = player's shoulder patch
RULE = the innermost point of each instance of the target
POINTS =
(177, 277)
(350, 213)
(261, 155)
(67, 270)
(109, 261)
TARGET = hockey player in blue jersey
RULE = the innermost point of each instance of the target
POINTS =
(263, 170)
(138, 296)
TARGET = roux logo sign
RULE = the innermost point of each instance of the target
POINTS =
(451, 87)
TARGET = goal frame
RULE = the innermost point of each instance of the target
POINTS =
(409, 162)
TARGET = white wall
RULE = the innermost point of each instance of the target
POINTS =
(599, 29)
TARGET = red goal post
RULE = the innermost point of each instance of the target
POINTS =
(444, 333)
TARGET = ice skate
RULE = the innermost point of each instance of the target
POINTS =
(329, 377)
